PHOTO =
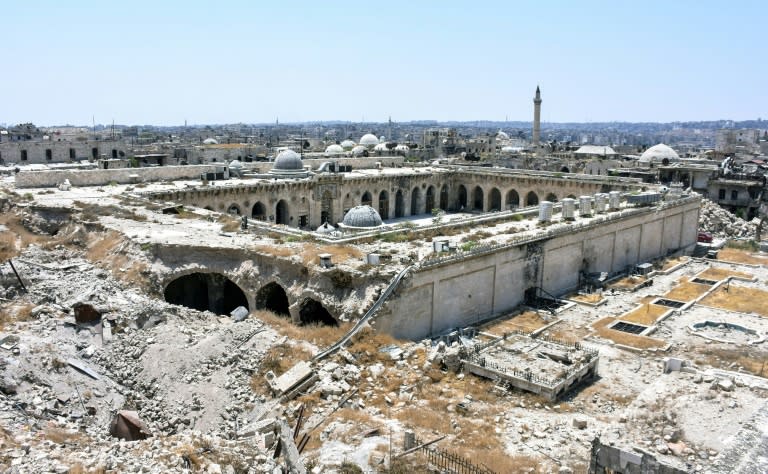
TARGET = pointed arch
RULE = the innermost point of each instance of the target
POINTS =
(416, 202)
(384, 205)
(494, 200)
(399, 204)
(430, 201)
(444, 197)
(551, 197)
(234, 209)
(313, 312)
(272, 297)
(282, 213)
(462, 197)
(513, 199)
(366, 200)
(326, 207)
(531, 199)
(477, 199)
(259, 211)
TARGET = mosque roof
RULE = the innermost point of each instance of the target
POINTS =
(362, 216)
(658, 153)
(288, 160)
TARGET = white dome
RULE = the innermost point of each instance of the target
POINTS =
(210, 141)
(382, 139)
(501, 135)
(369, 140)
(362, 216)
(348, 144)
(402, 148)
(380, 147)
(509, 149)
(658, 153)
(334, 149)
(288, 160)
(358, 150)
(235, 165)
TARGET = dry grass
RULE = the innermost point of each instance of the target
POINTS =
(621, 337)
(753, 360)
(526, 321)
(78, 468)
(627, 283)
(62, 436)
(8, 248)
(15, 312)
(339, 253)
(275, 250)
(17, 235)
(646, 314)
(107, 251)
(228, 223)
(592, 298)
(367, 343)
(671, 262)
(718, 274)
(738, 298)
(317, 334)
(564, 331)
(741, 256)
(687, 291)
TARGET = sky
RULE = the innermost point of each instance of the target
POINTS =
(163, 62)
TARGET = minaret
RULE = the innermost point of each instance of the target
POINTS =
(536, 119)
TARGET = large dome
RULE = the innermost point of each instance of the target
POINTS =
(288, 160)
(334, 149)
(358, 150)
(362, 216)
(348, 144)
(658, 153)
(369, 140)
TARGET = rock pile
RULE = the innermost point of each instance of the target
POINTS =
(723, 224)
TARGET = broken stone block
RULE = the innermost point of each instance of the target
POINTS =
(725, 385)
(239, 314)
(579, 424)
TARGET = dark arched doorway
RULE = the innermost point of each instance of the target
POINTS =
(259, 212)
(234, 209)
(551, 197)
(205, 292)
(366, 200)
(399, 204)
(312, 312)
(281, 212)
(444, 198)
(494, 200)
(415, 200)
(384, 205)
(462, 197)
(531, 199)
(513, 199)
(326, 208)
(272, 297)
(477, 199)
(430, 204)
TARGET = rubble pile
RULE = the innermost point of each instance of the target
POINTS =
(723, 224)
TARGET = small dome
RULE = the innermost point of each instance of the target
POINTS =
(501, 136)
(369, 140)
(235, 165)
(210, 141)
(358, 150)
(348, 144)
(288, 160)
(380, 147)
(362, 216)
(334, 150)
(382, 139)
(402, 148)
(658, 153)
(326, 228)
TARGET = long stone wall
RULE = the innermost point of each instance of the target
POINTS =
(50, 178)
(463, 291)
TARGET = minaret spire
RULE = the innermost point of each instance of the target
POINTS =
(536, 119)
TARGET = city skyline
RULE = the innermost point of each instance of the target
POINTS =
(302, 62)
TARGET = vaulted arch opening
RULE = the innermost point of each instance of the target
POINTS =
(259, 212)
(234, 209)
(565, 169)
(430, 204)
(384, 205)
(399, 204)
(366, 200)
(415, 201)
(477, 199)
(212, 292)
(444, 197)
(551, 197)
(282, 215)
(313, 312)
(513, 199)
(272, 297)
(462, 197)
(531, 199)
(494, 200)
(326, 208)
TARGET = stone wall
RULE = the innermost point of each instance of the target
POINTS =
(50, 178)
(467, 290)
(43, 152)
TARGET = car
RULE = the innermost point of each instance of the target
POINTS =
(704, 237)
